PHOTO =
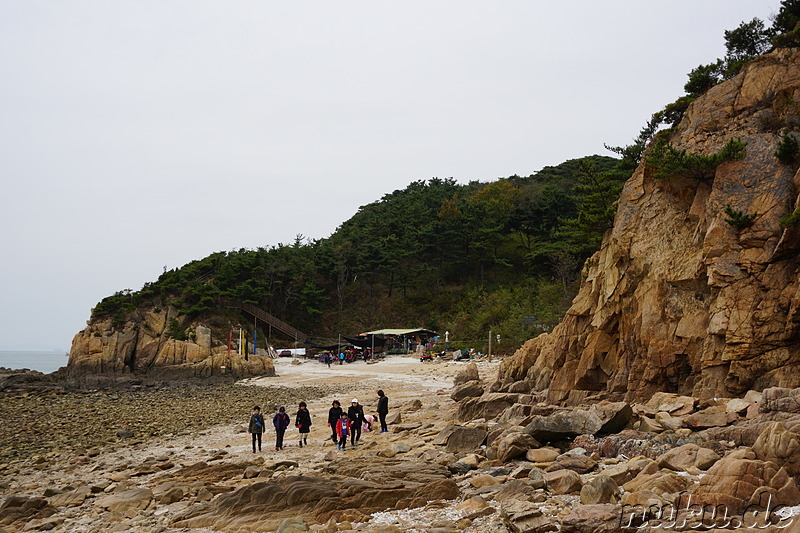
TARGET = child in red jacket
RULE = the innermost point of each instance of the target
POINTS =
(343, 426)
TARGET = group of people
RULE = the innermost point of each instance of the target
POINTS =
(346, 356)
(343, 423)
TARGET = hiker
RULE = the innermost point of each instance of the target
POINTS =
(342, 429)
(303, 423)
(341, 358)
(355, 413)
(328, 359)
(281, 422)
(383, 410)
(256, 427)
(334, 413)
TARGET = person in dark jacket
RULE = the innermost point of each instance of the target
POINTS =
(303, 423)
(281, 422)
(334, 414)
(383, 410)
(256, 427)
(355, 413)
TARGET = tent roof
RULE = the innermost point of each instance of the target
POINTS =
(396, 332)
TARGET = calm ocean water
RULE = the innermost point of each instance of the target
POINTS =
(42, 361)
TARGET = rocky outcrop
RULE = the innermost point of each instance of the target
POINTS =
(677, 299)
(359, 488)
(144, 345)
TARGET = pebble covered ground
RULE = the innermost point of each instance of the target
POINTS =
(35, 423)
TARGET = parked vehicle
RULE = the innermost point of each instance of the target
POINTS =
(285, 353)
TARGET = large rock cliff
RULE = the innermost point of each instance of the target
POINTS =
(677, 299)
(143, 345)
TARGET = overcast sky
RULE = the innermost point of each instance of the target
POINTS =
(141, 134)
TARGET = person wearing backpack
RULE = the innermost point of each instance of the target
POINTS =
(355, 413)
(281, 422)
(303, 423)
(342, 430)
(256, 427)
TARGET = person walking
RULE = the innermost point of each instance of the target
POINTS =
(328, 359)
(355, 413)
(256, 427)
(334, 413)
(383, 410)
(341, 358)
(342, 429)
(303, 423)
(281, 422)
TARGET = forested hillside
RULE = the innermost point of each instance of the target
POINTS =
(504, 255)
(460, 257)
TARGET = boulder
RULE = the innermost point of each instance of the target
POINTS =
(518, 490)
(714, 416)
(780, 446)
(684, 457)
(614, 415)
(71, 498)
(487, 406)
(485, 480)
(593, 518)
(662, 483)
(251, 471)
(623, 472)
(16, 511)
(393, 417)
(525, 517)
(781, 399)
(563, 482)
(382, 484)
(170, 492)
(464, 439)
(292, 525)
(522, 387)
(542, 455)
(600, 489)
(671, 403)
(536, 478)
(563, 424)
(515, 445)
(573, 461)
(470, 389)
(469, 373)
(136, 499)
(740, 480)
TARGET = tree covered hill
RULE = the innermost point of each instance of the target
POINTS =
(501, 255)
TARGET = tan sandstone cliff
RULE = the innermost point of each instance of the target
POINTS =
(142, 346)
(677, 299)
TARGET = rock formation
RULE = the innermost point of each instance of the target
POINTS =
(143, 345)
(677, 299)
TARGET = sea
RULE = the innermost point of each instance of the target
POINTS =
(42, 361)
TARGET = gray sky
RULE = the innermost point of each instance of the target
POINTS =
(139, 134)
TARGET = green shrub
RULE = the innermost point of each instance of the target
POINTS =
(175, 330)
(792, 219)
(671, 162)
(738, 219)
(788, 149)
(673, 113)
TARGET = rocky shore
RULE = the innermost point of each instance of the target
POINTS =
(463, 454)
